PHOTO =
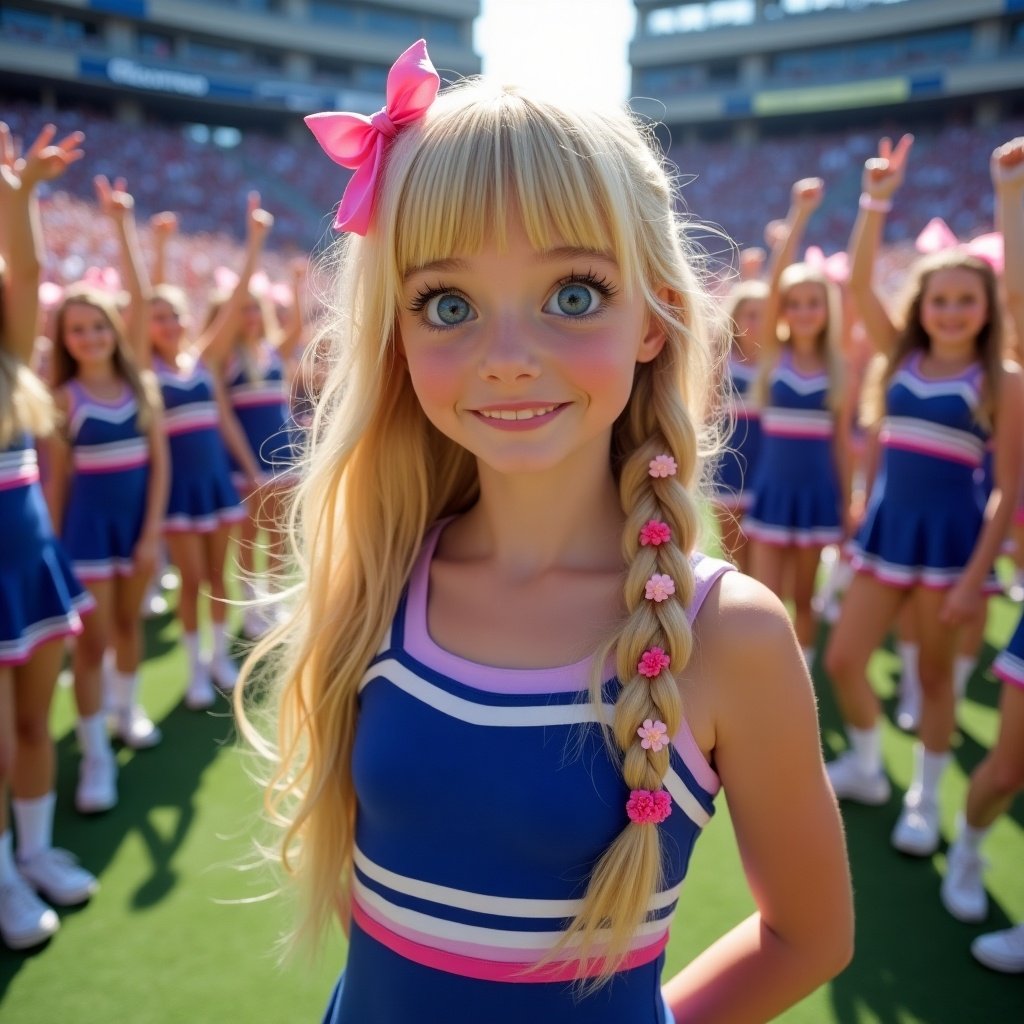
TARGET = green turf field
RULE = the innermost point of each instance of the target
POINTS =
(179, 933)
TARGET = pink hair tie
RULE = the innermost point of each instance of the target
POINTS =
(662, 466)
(659, 588)
(654, 532)
(652, 661)
(360, 143)
(647, 808)
(653, 735)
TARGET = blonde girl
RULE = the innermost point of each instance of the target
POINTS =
(929, 536)
(494, 752)
(801, 490)
(735, 469)
(40, 600)
(107, 492)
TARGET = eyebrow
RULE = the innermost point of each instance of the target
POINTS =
(562, 252)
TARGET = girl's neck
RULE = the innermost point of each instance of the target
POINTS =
(744, 349)
(101, 378)
(949, 358)
(806, 358)
(567, 518)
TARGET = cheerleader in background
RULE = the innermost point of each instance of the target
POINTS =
(734, 470)
(108, 492)
(801, 489)
(40, 599)
(202, 504)
(250, 353)
(929, 536)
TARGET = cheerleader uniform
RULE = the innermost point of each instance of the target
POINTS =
(927, 505)
(735, 469)
(484, 798)
(202, 496)
(106, 502)
(260, 402)
(796, 489)
(1009, 664)
(40, 599)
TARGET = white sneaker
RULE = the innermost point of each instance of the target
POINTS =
(963, 892)
(25, 920)
(58, 876)
(155, 606)
(917, 829)
(97, 784)
(850, 783)
(135, 729)
(223, 672)
(1002, 951)
(200, 695)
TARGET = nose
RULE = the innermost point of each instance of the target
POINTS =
(508, 352)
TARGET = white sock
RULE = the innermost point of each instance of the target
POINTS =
(8, 869)
(963, 666)
(191, 642)
(968, 837)
(92, 735)
(33, 822)
(908, 659)
(928, 769)
(123, 686)
(220, 639)
(866, 745)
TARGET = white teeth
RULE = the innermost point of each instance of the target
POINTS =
(516, 414)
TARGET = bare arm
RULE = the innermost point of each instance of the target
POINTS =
(146, 551)
(768, 755)
(164, 227)
(293, 330)
(22, 236)
(1008, 178)
(234, 437)
(214, 345)
(58, 466)
(882, 176)
(119, 206)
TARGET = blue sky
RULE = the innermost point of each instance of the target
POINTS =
(574, 47)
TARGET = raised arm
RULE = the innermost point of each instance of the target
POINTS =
(21, 235)
(1008, 179)
(882, 176)
(806, 197)
(164, 226)
(119, 207)
(767, 753)
(214, 345)
(291, 337)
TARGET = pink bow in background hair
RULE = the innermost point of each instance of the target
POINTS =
(937, 236)
(359, 142)
(835, 267)
(103, 279)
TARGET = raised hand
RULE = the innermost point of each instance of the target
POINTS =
(807, 194)
(883, 174)
(258, 221)
(164, 225)
(44, 160)
(115, 200)
(1007, 165)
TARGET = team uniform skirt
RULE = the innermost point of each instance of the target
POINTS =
(1009, 665)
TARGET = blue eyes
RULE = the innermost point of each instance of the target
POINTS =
(573, 299)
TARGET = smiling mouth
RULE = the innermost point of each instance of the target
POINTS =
(516, 414)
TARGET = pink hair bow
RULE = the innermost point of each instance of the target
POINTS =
(359, 142)
(103, 279)
(835, 267)
(938, 236)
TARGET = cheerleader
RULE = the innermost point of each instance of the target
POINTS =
(732, 493)
(108, 492)
(202, 503)
(801, 487)
(40, 600)
(929, 535)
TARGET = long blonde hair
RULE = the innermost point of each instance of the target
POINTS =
(378, 473)
(829, 342)
(911, 336)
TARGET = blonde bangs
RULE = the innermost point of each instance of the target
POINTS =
(479, 158)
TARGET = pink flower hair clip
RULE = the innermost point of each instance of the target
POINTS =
(361, 143)
(653, 735)
(648, 808)
(659, 588)
(662, 466)
(654, 532)
(652, 661)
